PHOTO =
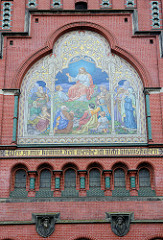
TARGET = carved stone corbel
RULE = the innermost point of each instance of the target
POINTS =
(120, 222)
(45, 223)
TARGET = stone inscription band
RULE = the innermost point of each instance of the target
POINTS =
(82, 152)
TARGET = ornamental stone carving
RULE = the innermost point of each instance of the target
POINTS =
(120, 223)
(45, 224)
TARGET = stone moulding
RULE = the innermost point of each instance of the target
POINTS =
(106, 220)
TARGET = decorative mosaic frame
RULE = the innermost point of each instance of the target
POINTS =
(88, 46)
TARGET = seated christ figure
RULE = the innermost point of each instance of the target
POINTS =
(83, 89)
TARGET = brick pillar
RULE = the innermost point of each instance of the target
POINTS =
(57, 177)
(82, 177)
(107, 177)
(132, 175)
(32, 180)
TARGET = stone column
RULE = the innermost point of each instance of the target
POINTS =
(82, 177)
(107, 176)
(16, 93)
(57, 177)
(132, 175)
(32, 180)
(149, 126)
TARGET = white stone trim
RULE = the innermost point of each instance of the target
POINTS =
(8, 92)
(155, 91)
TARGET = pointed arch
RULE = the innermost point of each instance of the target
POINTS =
(52, 78)
(52, 38)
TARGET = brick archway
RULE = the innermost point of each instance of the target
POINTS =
(52, 38)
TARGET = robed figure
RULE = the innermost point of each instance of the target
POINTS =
(83, 89)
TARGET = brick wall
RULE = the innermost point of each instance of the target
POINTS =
(142, 50)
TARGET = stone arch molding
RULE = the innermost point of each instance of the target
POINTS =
(81, 93)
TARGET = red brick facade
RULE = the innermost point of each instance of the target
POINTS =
(31, 36)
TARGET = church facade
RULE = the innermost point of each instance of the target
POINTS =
(81, 120)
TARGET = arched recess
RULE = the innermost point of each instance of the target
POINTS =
(14, 171)
(52, 38)
(44, 180)
(70, 182)
(109, 91)
(45, 176)
(95, 180)
(81, 5)
(120, 180)
(69, 165)
(19, 181)
(43, 166)
(149, 171)
(94, 177)
(146, 180)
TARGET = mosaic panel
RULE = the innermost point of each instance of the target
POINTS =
(82, 93)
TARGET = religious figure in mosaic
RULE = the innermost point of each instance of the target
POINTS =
(103, 100)
(63, 121)
(42, 120)
(92, 123)
(125, 108)
(39, 109)
(62, 96)
(103, 123)
(129, 109)
(84, 87)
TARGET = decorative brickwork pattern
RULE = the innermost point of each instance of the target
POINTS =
(105, 3)
(6, 21)
(130, 3)
(155, 12)
(31, 4)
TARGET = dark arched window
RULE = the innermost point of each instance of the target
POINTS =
(81, 6)
(119, 178)
(45, 179)
(20, 179)
(144, 178)
(70, 184)
(94, 178)
(95, 184)
(70, 178)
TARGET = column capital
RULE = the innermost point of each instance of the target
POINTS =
(32, 173)
(107, 172)
(146, 91)
(150, 90)
(57, 172)
(82, 172)
(132, 172)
